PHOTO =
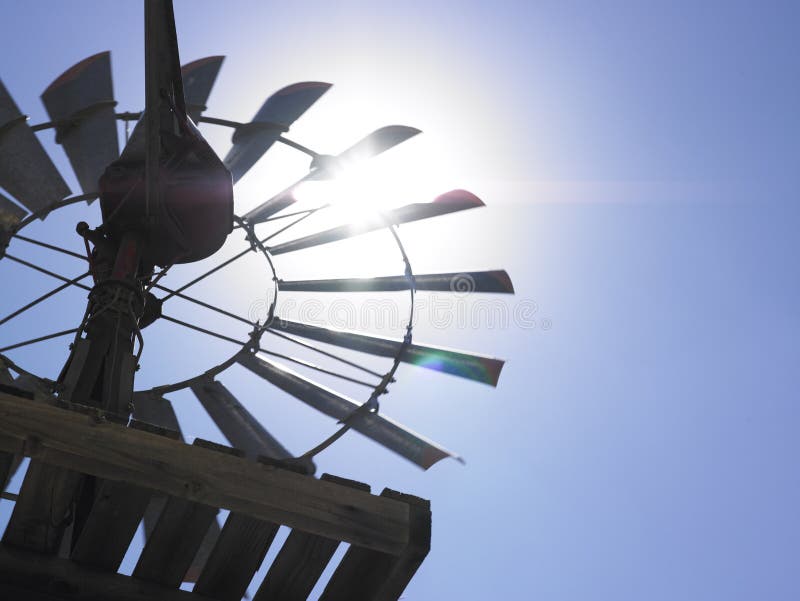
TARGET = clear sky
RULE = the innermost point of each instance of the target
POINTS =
(639, 165)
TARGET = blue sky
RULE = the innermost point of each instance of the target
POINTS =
(638, 162)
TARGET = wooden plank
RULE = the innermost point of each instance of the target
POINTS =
(107, 450)
(236, 557)
(301, 561)
(175, 540)
(44, 508)
(41, 578)
(155, 413)
(173, 544)
(114, 517)
(368, 575)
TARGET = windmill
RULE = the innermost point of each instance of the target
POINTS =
(167, 201)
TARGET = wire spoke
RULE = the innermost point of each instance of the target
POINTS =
(324, 352)
(191, 326)
(206, 274)
(46, 271)
(308, 214)
(202, 304)
(43, 298)
(50, 246)
(39, 339)
(316, 368)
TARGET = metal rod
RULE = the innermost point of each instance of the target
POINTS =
(202, 304)
(50, 246)
(206, 274)
(42, 298)
(316, 368)
(40, 339)
(202, 330)
(324, 352)
(47, 272)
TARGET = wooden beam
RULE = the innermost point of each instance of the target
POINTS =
(301, 561)
(368, 575)
(35, 577)
(90, 445)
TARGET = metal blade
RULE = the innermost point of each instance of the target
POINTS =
(81, 103)
(326, 167)
(10, 214)
(275, 116)
(26, 172)
(377, 142)
(479, 368)
(238, 425)
(198, 79)
(449, 202)
(380, 429)
(461, 282)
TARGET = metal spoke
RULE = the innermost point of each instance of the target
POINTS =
(196, 328)
(43, 297)
(316, 368)
(206, 274)
(203, 330)
(46, 271)
(202, 304)
(50, 246)
(324, 352)
(39, 339)
(293, 223)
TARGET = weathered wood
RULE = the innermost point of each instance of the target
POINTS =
(173, 544)
(236, 557)
(44, 508)
(368, 575)
(6, 463)
(33, 577)
(85, 444)
(301, 561)
(154, 413)
(115, 515)
(175, 540)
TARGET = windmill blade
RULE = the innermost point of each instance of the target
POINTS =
(81, 104)
(326, 167)
(479, 368)
(276, 115)
(380, 429)
(463, 282)
(449, 202)
(198, 79)
(26, 172)
(377, 142)
(238, 425)
(10, 215)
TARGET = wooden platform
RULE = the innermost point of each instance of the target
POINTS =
(78, 452)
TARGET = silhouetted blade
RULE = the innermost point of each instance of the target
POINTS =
(26, 172)
(238, 425)
(275, 116)
(382, 430)
(479, 368)
(198, 79)
(81, 102)
(450, 202)
(460, 282)
(10, 214)
(326, 167)
(377, 142)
